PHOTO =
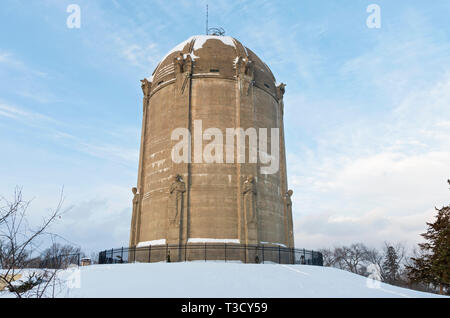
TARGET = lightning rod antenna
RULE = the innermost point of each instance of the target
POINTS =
(206, 19)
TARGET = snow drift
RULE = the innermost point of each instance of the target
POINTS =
(221, 280)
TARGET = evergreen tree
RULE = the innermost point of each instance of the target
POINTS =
(391, 265)
(433, 266)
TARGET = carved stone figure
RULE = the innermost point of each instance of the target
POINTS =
(182, 63)
(146, 87)
(179, 63)
(289, 200)
(177, 189)
(244, 67)
(281, 89)
(135, 214)
(249, 193)
(238, 65)
(248, 67)
(136, 197)
(188, 64)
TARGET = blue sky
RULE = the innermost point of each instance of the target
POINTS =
(367, 113)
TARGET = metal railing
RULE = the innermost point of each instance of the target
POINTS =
(61, 261)
(211, 252)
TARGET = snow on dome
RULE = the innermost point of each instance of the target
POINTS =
(179, 47)
(200, 40)
(224, 48)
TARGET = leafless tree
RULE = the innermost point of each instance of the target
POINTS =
(59, 256)
(94, 258)
(375, 257)
(357, 257)
(328, 257)
(351, 257)
(19, 241)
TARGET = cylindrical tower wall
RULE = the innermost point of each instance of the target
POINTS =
(223, 85)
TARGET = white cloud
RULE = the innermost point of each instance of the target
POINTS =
(96, 218)
(375, 180)
(372, 227)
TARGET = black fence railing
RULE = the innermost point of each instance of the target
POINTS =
(211, 252)
(61, 261)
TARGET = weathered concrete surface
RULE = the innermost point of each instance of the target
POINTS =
(217, 80)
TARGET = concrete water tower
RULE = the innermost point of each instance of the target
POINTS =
(210, 84)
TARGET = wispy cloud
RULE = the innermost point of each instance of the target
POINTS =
(8, 60)
(26, 116)
(24, 80)
(145, 57)
(51, 129)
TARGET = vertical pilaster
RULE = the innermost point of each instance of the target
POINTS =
(289, 241)
(183, 105)
(137, 207)
(246, 118)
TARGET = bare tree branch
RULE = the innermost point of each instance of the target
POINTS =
(19, 241)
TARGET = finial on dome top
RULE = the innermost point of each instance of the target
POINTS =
(213, 31)
(216, 31)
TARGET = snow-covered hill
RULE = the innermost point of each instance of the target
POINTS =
(225, 280)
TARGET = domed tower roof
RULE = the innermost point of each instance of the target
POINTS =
(214, 54)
